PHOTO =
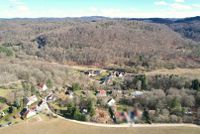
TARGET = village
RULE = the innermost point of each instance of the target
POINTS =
(105, 102)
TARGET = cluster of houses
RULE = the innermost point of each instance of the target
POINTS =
(34, 104)
(107, 79)
(30, 104)
(93, 73)
(128, 116)
(122, 116)
(32, 107)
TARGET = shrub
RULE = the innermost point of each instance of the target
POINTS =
(8, 52)
(76, 86)
(195, 84)
(49, 83)
(78, 116)
(3, 100)
(174, 119)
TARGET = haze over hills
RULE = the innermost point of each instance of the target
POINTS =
(105, 41)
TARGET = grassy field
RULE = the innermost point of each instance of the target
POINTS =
(189, 73)
(58, 126)
(4, 92)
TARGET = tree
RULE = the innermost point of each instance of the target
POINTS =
(139, 85)
(188, 100)
(144, 82)
(17, 104)
(78, 116)
(198, 98)
(198, 112)
(195, 84)
(33, 90)
(173, 119)
(49, 83)
(76, 86)
(176, 106)
(146, 116)
(91, 108)
(70, 110)
(10, 110)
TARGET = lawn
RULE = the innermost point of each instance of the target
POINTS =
(4, 92)
(58, 126)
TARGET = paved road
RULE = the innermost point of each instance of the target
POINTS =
(123, 125)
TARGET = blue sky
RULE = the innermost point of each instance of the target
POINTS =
(108, 8)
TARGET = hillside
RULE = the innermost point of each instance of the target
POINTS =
(100, 42)
(187, 27)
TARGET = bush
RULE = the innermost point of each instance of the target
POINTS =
(78, 116)
(8, 52)
(174, 119)
(91, 108)
(195, 84)
(49, 83)
(76, 86)
(3, 100)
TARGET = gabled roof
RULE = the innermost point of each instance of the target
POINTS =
(111, 102)
(31, 100)
(102, 92)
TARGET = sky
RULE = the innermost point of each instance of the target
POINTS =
(107, 8)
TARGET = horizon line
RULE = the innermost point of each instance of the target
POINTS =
(98, 17)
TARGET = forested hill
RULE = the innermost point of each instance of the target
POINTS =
(99, 41)
(187, 27)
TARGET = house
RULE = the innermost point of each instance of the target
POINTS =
(97, 72)
(107, 80)
(120, 116)
(137, 93)
(27, 113)
(92, 73)
(111, 102)
(42, 87)
(119, 74)
(188, 111)
(31, 100)
(30, 113)
(51, 98)
(70, 94)
(101, 93)
(2, 114)
(85, 111)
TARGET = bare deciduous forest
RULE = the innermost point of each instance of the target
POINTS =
(103, 42)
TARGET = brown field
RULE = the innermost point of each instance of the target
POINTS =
(59, 126)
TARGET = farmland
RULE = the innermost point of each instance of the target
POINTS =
(59, 126)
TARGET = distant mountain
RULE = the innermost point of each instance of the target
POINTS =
(188, 20)
(187, 27)
(154, 20)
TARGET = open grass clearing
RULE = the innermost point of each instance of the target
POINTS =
(189, 72)
(59, 126)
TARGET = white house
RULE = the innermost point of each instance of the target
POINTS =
(137, 93)
(2, 114)
(42, 87)
(111, 102)
(31, 100)
(30, 113)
